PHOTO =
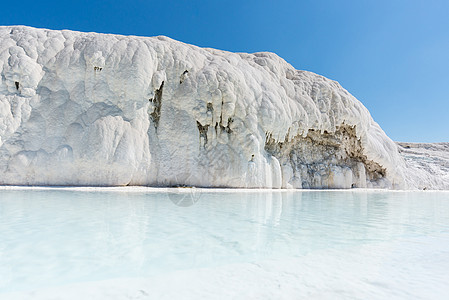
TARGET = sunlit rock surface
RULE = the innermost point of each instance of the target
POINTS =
(427, 164)
(96, 109)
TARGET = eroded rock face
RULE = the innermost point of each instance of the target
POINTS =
(326, 160)
(95, 109)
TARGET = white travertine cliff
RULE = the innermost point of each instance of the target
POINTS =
(97, 109)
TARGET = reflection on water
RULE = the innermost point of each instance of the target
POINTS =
(53, 237)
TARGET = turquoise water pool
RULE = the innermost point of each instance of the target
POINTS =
(322, 243)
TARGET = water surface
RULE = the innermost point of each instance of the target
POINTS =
(51, 238)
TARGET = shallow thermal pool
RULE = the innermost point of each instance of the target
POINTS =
(140, 243)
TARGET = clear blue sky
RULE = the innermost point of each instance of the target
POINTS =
(392, 55)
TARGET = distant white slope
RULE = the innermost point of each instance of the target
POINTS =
(96, 109)
(427, 164)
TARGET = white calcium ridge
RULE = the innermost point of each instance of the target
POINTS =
(109, 110)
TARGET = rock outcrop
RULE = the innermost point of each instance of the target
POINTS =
(96, 109)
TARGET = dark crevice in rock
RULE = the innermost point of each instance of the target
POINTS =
(228, 128)
(221, 114)
(210, 107)
(157, 101)
(203, 131)
(223, 128)
(183, 76)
